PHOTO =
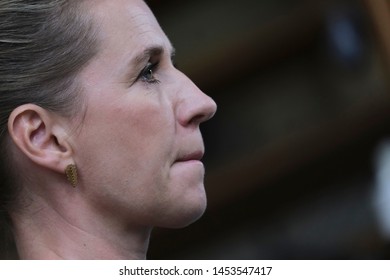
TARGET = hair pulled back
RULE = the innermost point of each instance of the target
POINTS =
(44, 44)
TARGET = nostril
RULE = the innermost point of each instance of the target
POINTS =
(198, 119)
(196, 107)
(206, 112)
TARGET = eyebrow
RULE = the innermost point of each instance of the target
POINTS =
(151, 51)
(137, 61)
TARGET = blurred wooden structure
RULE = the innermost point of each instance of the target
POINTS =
(380, 16)
(253, 196)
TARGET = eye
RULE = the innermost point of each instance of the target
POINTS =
(147, 74)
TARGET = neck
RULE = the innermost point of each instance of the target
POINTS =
(49, 233)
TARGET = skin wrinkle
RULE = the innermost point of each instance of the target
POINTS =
(137, 63)
(70, 229)
(75, 229)
(129, 149)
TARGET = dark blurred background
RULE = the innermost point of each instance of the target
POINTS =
(294, 152)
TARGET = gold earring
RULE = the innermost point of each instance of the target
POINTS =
(71, 174)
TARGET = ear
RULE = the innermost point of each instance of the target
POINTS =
(40, 136)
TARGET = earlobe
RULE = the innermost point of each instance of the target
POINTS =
(39, 136)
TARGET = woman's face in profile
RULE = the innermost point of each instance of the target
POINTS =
(139, 149)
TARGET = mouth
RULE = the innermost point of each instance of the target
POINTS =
(193, 156)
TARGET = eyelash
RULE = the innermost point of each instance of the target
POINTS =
(149, 70)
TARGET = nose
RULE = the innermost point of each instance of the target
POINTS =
(195, 107)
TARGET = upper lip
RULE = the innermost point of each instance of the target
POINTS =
(197, 155)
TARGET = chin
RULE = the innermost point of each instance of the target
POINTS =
(189, 217)
(187, 214)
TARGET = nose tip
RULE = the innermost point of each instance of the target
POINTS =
(195, 107)
(206, 110)
(211, 109)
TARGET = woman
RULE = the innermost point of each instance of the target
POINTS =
(100, 133)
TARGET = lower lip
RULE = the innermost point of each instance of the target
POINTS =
(189, 169)
(194, 161)
(189, 163)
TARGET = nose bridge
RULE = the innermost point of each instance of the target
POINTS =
(195, 106)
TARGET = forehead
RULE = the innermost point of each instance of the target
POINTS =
(126, 24)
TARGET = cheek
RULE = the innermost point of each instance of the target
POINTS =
(151, 130)
(136, 139)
